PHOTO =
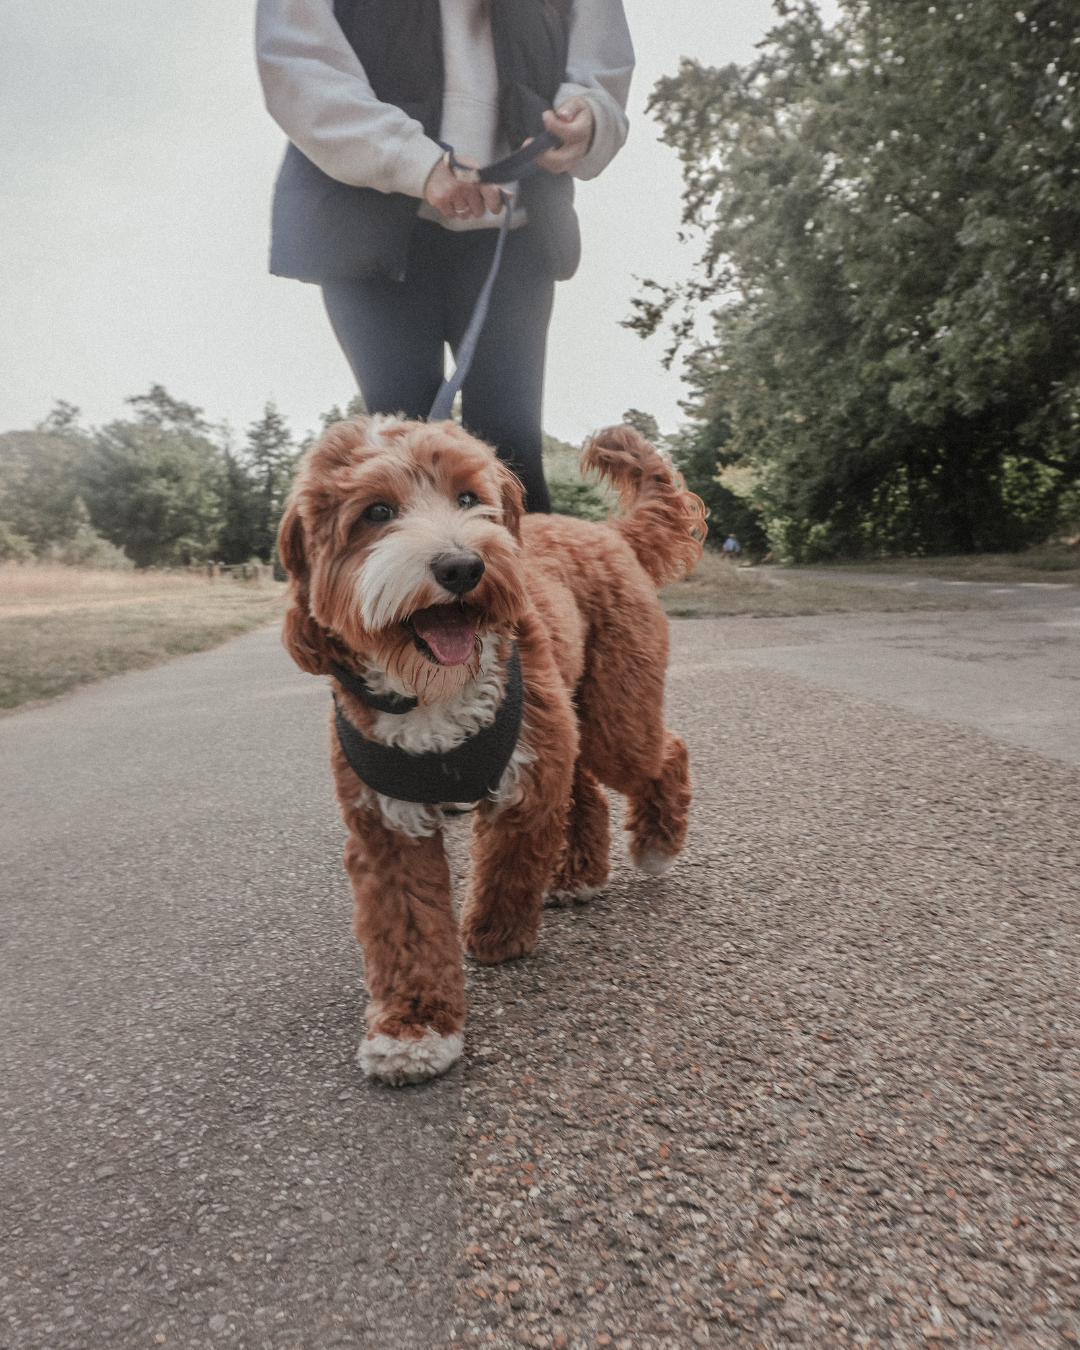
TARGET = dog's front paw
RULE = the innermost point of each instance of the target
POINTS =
(560, 897)
(409, 1059)
(492, 945)
(654, 863)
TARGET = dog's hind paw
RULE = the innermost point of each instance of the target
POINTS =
(580, 895)
(397, 1059)
(655, 864)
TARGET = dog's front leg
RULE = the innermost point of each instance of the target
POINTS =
(404, 922)
(515, 849)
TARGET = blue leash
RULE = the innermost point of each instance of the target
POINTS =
(521, 164)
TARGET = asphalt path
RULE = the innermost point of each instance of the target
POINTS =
(874, 924)
(190, 1148)
(1012, 672)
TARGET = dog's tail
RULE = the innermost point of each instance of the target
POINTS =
(661, 521)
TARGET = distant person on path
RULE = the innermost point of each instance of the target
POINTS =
(367, 206)
(731, 548)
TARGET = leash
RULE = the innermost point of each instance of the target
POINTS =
(521, 164)
(473, 769)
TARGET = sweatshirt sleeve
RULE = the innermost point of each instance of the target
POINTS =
(316, 90)
(598, 68)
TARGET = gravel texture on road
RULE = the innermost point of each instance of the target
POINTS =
(191, 1155)
(816, 1086)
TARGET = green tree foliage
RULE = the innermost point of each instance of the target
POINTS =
(40, 480)
(155, 485)
(14, 547)
(257, 483)
(644, 423)
(39, 485)
(570, 494)
(699, 451)
(892, 218)
(356, 407)
(42, 511)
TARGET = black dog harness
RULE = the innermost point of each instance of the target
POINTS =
(469, 772)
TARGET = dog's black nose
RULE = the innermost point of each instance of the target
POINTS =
(458, 572)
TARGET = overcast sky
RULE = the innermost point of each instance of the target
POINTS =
(135, 175)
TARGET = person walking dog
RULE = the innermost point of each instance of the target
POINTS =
(372, 205)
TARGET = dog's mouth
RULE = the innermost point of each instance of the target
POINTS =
(445, 633)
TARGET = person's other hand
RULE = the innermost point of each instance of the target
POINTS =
(457, 200)
(572, 122)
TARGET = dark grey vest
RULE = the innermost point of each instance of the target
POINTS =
(323, 230)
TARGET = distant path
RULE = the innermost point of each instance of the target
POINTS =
(1014, 595)
(823, 1077)
(1014, 673)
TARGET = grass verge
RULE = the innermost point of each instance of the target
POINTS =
(719, 588)
(63, 644)
(1048, 562)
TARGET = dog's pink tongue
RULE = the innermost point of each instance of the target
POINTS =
(448, 631)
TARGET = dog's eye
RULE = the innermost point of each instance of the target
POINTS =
(379, 513)
(467, 499)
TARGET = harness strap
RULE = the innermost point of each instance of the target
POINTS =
(391, 702)
(468, 773)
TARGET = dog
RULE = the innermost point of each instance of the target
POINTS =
(448, 619)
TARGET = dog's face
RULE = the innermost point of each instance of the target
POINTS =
(401, 540)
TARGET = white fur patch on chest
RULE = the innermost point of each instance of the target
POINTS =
(442, 726)
(439, 727)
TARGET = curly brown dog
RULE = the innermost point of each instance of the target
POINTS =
(415, 573)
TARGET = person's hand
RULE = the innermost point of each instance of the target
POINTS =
(457, 200)
(572, 122)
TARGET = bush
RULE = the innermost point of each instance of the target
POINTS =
(87, 548)
(14, 547)
(572, 495)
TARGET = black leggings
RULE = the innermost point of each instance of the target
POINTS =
(392, 333)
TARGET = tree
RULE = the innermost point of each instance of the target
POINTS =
(257, 483)
(41, 483)
(644, 423)
(155, 486)
(271, 461)
(356, 407)
(891, 212)
(242, 512)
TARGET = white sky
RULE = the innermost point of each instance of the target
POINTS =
(135, 175)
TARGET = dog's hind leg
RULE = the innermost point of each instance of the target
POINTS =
(657, 810)
(404, 921)
(583, 867)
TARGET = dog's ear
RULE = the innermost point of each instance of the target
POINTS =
(290, 544)
(305, 640)
(511, 499)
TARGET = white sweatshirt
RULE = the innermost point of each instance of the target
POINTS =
(317, 92)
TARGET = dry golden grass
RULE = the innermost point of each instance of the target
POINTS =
(47, 585)
(62, 627)
(720, 587)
